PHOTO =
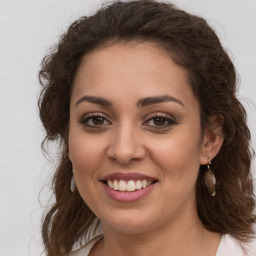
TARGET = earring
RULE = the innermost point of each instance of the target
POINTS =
(210, 180)
(72, 184)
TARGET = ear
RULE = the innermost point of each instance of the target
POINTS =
(212, 138)
(66, 142)
(68, 153)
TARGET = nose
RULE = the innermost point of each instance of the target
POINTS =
(126, 145)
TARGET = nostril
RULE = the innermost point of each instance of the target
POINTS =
(124, 148)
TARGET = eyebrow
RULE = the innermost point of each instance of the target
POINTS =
(158, 99)
(95, 100)
(140, 103)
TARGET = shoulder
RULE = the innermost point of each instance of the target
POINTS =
(231, 246)
(85, 250)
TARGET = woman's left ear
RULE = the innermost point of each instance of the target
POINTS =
(212, 138)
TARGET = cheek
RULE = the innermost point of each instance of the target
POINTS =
(179, 165)
(84, 154)
(178, 156)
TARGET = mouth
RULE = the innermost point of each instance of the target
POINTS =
(128, 182)
(128, 186)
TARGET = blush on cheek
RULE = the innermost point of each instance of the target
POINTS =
(84, 156)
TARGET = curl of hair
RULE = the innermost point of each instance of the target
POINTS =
(192, 44)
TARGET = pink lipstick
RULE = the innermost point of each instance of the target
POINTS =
(128, 187)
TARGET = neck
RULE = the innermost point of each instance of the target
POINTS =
(186, 238)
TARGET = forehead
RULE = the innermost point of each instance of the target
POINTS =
(142, 68)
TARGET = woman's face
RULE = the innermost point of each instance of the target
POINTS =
(135, 138)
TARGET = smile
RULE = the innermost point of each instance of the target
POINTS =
(129, 186)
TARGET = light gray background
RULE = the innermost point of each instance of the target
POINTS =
(27, 29)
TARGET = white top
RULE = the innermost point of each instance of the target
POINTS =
(85, 250)
(229, 246)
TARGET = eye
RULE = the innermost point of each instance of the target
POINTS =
(160, 121)
(93, 120)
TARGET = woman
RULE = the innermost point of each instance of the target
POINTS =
(141, 97)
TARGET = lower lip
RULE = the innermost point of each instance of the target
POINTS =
(128, 196)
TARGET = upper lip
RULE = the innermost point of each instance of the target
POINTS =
(127, 176)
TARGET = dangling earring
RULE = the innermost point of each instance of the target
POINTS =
(72, 184)
(210, 180)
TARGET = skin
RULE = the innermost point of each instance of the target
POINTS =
(128, 138)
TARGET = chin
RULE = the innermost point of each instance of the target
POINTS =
(128, 221)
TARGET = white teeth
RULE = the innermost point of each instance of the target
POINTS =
(115, 185)
(130, 185)
(122, 185)
(144, 183)
(110, 184)
(138, 184)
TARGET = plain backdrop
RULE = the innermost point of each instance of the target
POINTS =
(27, 29)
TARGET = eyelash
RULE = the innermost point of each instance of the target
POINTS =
(86, 119)
(89, 118)
(168, 121)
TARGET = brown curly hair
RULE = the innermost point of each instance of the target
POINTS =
(192, 44)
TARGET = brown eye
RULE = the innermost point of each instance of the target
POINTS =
(98, 120)
(94, 121)
(158, 121)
